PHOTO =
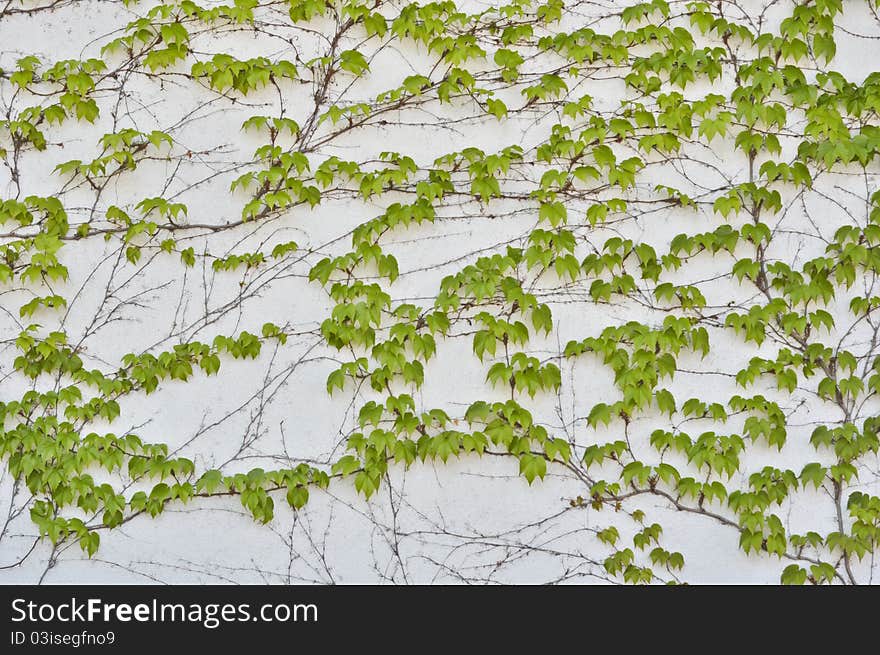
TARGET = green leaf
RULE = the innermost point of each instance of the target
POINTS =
(532, 466)
(297, 497)
(793, 575)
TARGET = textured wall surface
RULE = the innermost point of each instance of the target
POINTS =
(468, 518)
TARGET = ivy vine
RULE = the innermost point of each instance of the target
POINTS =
(671, 204)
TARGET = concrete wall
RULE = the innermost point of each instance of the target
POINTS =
(471, 519)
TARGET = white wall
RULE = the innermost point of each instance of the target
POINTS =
(470, 519)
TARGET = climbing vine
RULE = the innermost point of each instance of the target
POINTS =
(626, 252)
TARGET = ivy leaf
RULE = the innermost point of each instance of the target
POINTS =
(793, 575)
(665, 402)
(532, 466)
(815, 473)
(297, 497)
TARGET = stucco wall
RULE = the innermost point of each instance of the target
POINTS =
(472, 518)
